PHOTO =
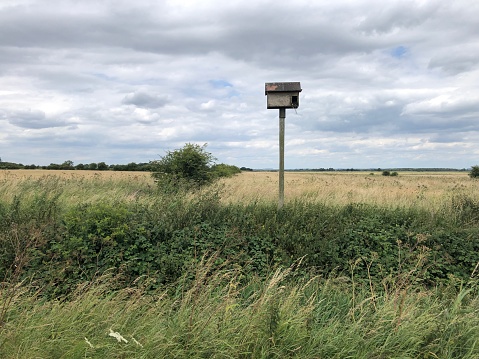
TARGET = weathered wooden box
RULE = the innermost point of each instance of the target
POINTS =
(282, 94)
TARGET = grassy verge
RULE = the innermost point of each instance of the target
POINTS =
(193, 275)
(215, 314)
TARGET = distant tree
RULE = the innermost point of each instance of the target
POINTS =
(394, 174)
(386, 173)
(11, 166)
(223, 170)
(147, 167)
(93, 166)
(189, 166)
(132, 166)
(102, 166)
(80, 166)
(118, 167)
(474, 173)
(67, 165)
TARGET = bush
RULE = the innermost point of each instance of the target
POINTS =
(474, 172)
(223, 170)
(386, 173)
(188, 166)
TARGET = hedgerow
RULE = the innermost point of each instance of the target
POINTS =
(57, 246)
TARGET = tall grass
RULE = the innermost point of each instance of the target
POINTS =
(214, 315)
(423, 190)
(76, 187)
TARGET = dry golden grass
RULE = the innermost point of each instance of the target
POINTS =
(76, 186)
(423, 189)
(107, 175)
(427, 190)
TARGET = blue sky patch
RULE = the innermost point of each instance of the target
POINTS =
(220, 84)
(399, 52)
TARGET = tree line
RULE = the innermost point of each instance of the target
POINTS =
(69, 165)
(189, 165)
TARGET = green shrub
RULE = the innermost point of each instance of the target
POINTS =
(224, 170)
(188, 166)
(159, 238)
(474, 172)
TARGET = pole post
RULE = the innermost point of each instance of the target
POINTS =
(282, 116)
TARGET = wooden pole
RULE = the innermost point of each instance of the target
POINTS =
(282, 116)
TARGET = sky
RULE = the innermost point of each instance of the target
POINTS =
(385, 84)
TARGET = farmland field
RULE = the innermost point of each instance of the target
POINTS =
(359, 265)
(424, 189)
(338, 188)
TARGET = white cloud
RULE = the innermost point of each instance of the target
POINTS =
(122, 81)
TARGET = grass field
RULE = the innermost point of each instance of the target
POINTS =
(338, 188)
(106, 265)
(423, 189)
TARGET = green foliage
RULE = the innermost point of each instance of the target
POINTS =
(10, 166)
(386, 173)
(186, 275)
(189, 166)
(102, 166)
(163, 234)
(474, 173)
(67, 165)
(224, 170)
(161, 240)
(133, 166)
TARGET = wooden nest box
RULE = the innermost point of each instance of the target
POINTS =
(282, 94)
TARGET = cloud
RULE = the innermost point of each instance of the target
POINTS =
(456, 62)
(119, 82)
(446, 105)
(396, 15)
(145, 100)
(32, 119)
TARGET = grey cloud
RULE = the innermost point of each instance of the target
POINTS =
(382, 120)
(12, 56)
(60, 24)
(455, 63)
(386, 17)
(32, 119)
(429, 124)
(447, 137)
(145, 100)
(244, 33)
